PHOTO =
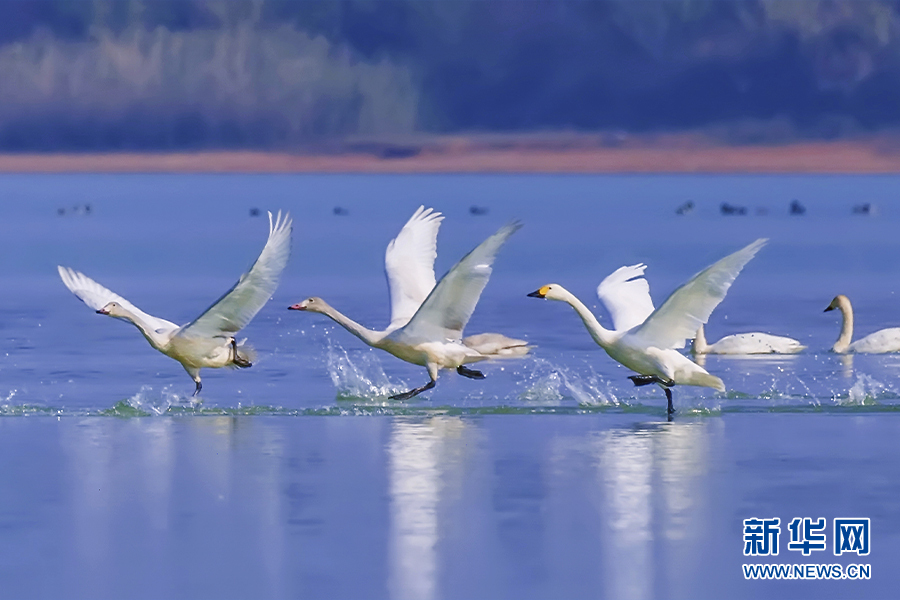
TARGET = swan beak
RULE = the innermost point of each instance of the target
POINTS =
(102, 311)
(537, 294)
(296, 307)
(829, 308)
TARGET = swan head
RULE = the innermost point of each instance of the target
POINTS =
(551, 291)
(314, 304)
(113, 309)
(839, 301)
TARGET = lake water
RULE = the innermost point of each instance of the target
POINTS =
(553, 477)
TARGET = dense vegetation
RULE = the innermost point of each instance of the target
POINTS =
(160, 74)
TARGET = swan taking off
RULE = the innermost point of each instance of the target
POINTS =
(208, 340)
(746, 343)
(880, 342)
(427, 319)
(647, 343)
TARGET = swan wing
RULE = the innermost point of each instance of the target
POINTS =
(96, 296)
(231, 313)
(626, 295)
(448, 307)
(690, 305)
(409, 264)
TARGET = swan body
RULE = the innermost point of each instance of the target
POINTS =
(432, 335)
(649, 347)
(746, 343)
(208, 341)
(880, 342)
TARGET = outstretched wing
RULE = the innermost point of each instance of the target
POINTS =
(96, 296)
(626, 295)
(447, 309)
(690, 305)
(239, 305)
(409, 264)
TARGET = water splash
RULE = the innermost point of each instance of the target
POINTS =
(150, 402)
(866, 390)
(551, 384)
(362, 377)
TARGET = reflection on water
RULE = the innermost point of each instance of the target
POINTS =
(419, 454)
(649, 476)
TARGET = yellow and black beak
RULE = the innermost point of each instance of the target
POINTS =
(541, 293)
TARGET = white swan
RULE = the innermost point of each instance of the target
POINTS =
(880, 342)
(746, 343)
(432, 335)
(649, 348)
(208, 340)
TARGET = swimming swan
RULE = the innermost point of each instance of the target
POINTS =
(208, 340)
(746, 343)
(880, 342)
(649, 348)
(431, 334)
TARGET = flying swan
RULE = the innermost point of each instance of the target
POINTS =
(746, 343)
(208, 340)
(646, 342)
(427, 319)
(880, 342)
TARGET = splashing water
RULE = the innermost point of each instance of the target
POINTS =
(158, 403)
(865, 390)
(550, 379)
(362, 377)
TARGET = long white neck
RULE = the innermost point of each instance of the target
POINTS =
(369, 336)
(700, 346)
(157, 340)
(604, 337)
(843, 341)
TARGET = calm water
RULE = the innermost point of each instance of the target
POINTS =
(553, 477)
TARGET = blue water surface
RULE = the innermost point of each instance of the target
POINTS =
(553, 477)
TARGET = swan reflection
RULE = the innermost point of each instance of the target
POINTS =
(649, 478)
(423, 455)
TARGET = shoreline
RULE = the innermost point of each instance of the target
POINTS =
(510, 155)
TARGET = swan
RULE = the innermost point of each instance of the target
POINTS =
(208, 340)
(746, 343)
(880, 342)
(649, 346)
(427, 319)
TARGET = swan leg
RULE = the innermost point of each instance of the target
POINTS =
(236, 358)
(640, 380)
(415, 392)
(197, 388)
(470, 373)
(670, 410)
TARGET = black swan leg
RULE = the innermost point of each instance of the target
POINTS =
(415, 392)
(237, 359)
(470, 373)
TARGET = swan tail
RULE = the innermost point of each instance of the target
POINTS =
(496, 345)
(707, 380)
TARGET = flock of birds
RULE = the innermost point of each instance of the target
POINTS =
(428, 316)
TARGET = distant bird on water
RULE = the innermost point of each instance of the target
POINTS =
(645, 340)
(880, 342)
(746, 343)
(208, 340)
(428, 318)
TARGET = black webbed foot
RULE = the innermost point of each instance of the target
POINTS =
(640, 380)
(411, 393)
(470, 373)
(236, 358)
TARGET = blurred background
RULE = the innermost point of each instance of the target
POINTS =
(157, 75)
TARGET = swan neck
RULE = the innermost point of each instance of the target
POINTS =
(700, 346)
(367, 335)
(843, 341)
(602, 336)
(156, 340)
